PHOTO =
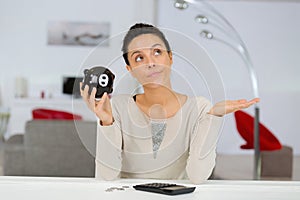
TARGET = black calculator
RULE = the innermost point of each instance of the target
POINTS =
(164, 188)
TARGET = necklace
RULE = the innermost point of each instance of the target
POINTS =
(158, 131)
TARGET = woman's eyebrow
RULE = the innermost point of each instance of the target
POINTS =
(140, 51)
(156, 45)
(134, 53)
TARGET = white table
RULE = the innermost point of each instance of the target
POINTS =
(16, 188)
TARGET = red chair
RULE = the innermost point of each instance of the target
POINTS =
(276, 159)
(49, 114)
(245, 127)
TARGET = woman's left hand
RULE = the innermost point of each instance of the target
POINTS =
(229, 106)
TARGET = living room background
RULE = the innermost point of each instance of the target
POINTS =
(270, 31)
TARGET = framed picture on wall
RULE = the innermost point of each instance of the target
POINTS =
(78, 33)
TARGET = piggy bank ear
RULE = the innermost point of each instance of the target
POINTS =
(86, 71)
(112, 76)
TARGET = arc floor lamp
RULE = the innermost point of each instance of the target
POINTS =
(209, 15)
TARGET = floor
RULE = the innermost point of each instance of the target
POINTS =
(229, 167)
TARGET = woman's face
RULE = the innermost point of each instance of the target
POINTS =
(150, 63)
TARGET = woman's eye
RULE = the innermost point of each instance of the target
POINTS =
(138, 58)
(157, 52)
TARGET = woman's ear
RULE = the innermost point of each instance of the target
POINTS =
(171, 57)
(128, 68)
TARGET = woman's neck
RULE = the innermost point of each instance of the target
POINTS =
(159, 95)
(160, 102)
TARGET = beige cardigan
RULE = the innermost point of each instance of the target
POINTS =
(188, 149)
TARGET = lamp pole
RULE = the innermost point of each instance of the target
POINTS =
(220, 23)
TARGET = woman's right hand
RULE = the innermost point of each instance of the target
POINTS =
(102, 108)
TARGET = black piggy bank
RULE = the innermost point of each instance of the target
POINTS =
(100, 78)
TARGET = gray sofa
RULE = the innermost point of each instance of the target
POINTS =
(52, 148)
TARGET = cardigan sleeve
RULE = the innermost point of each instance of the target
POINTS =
(204, 137)
(108, 151)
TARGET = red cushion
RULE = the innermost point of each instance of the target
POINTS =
(245, 127)
(53, 114)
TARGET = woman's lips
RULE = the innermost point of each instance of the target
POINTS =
(153, 74)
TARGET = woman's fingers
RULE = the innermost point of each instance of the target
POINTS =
(243, 103)
(80, 86)
(85, 93)
(251, 102)
(255, 100)
(105, 101)
(230, 106)
(105, 98)
(235, 105)
(101, 107)
(94, 103)
(88, 98)
(92, 96)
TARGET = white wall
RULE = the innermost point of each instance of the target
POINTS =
(23, 38)
(271, 32)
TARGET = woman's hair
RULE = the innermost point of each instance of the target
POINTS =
(139, 29)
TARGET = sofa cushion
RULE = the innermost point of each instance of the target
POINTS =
(42, 113)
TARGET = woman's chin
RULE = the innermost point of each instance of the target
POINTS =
(155, 84)
(152, 85)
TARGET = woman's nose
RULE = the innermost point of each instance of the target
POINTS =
(150, 62)
(150, 65)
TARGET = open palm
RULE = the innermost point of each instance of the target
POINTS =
(229, 106)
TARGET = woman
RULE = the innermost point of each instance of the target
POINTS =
(160, 133)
